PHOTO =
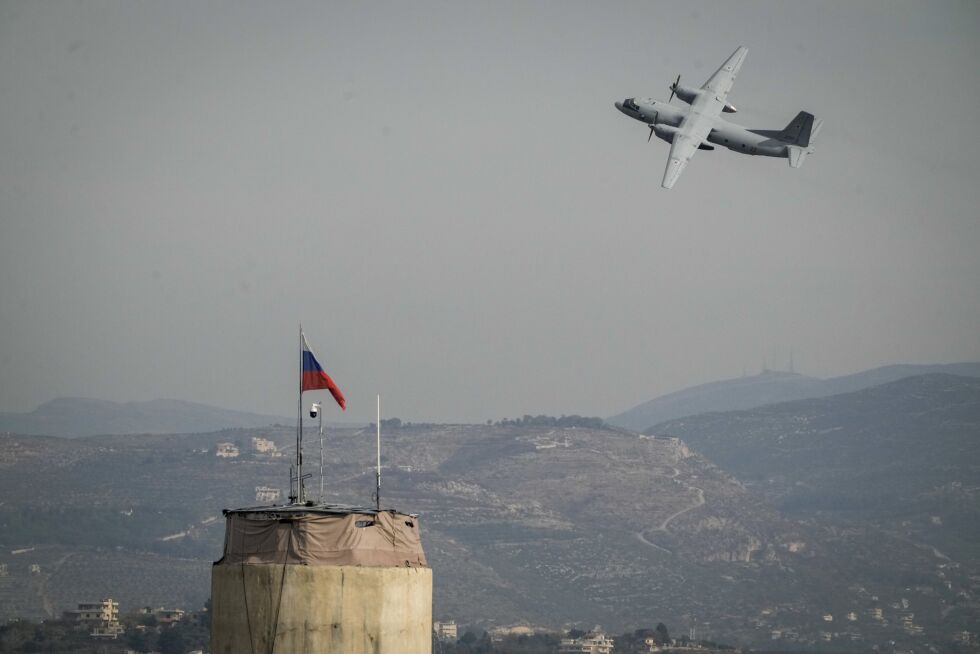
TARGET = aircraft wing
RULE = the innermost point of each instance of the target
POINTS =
(696, 126)
(692, 133)
(681, 151)
(721, 82)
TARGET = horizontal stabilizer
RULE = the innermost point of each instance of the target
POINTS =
(817, 126)
(797, 155)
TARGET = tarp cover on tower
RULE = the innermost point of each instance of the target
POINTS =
(383, 539)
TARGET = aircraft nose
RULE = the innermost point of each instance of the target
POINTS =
(618, 105)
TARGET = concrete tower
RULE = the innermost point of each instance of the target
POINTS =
(321, 579)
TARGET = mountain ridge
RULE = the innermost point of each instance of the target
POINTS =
(906, 448)
(563, 526)
(73, 417)
(770, 387)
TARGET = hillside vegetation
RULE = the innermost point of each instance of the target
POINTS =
(526, 521)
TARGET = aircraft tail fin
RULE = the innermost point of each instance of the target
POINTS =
(806, 129)
(799, 130)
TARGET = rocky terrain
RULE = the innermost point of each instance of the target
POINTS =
(896, 464)
(546, 525)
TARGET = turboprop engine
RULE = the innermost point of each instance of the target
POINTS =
(689, 95)
(664, 132)
(685, 93)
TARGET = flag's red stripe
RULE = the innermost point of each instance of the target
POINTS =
(317, 379)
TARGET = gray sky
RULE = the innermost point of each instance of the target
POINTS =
(445, 196)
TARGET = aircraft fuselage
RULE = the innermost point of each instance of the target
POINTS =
(724, 133)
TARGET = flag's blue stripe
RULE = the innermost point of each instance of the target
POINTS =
(310, 364)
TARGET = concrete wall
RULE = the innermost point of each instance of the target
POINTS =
(323, 609)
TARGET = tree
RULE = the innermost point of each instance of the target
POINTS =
(484, 645)
(172, 642)
(663, 637)
(206, 615)
(138, 640)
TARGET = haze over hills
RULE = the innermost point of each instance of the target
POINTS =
(76, 416)
(558, 525)
(769, 387)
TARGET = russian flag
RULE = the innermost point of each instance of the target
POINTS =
(314, 378)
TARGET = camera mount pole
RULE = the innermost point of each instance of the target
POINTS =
(320, 415)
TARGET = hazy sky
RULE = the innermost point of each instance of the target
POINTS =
(446, 198)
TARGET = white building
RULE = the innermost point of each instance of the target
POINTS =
(168, 616)
(498, 633)
(267, 494)
(446, 632)
(103, 617)
(227, 450)
(264, 446)
(591, 643)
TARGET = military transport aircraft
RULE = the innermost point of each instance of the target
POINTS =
(697, 127)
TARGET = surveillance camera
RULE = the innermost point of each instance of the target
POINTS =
(314, 410)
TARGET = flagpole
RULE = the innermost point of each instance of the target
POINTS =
(377, 493)
(318, 379)
(299, 424)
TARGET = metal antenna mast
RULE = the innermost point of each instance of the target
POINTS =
(377, 489)
(295, 480)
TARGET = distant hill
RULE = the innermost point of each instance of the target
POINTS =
(550, 525)
(769, 387)
(903, 456)
(76, 416)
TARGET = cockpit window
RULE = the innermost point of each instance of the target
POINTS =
(629, 104)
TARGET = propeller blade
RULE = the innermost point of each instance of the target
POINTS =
(651, 134)
(673, 87)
